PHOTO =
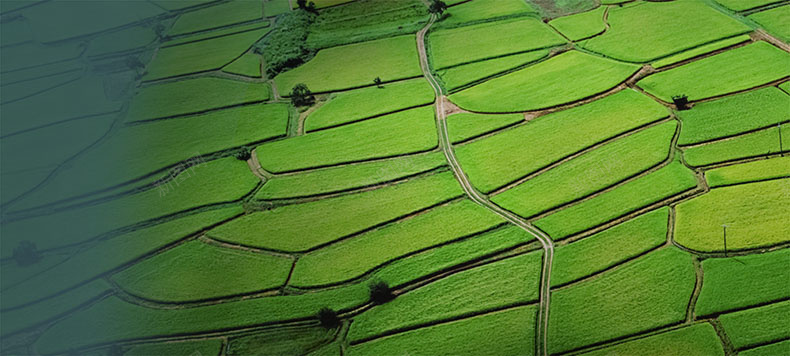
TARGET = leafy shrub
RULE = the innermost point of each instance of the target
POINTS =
(328, 318)
(380, 292)
(285, 47)
(243, 154)
(681, 101)
(301, 95)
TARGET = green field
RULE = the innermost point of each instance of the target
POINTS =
(276, 342)
(463, 75)
(465, 126)
(582, 25)
(480, 10)
(741, 5)
(754, 144)
(204, 347)
(757, 326)
(775, 21)
(697, 339)
(781, 347)
(248, 65)
(225, 14)
(699, 51)
(764, 169)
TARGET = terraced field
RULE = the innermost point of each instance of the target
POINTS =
(379, 177)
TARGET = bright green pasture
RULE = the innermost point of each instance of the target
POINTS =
(507, 332)
(325, 3)
(193, 96)
(334, 179)
(276, 7)
(779, 348)
(221, 33)
(372, 249)
(367, 102)
(355, 65)
(477, 10)
(643, 294)
(493, 285)
(171, 5)
(754, 144)
(609, 247)
(696, 339)
(507, 156)
(739, 282)
(196, 270)
(303, 226)
(567, 77)
(249, 65)
(492, 39)
(733, 114)
(456, 77)
(464, 126)
(200, 56)
(757, 326)
(777, 167)
(698, 51)
(755, 213)
(640, 33)
(590, 172)
(581, 25)
(187, 348)
(396, 134)
(741, 68)
(666, 182)
(775, 21)
(280, 341)
(224, 14)
(125, 40)
(785, 86)
(741, 5)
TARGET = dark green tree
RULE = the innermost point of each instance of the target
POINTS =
(380, 292)
(377, 81)
(243, 154)
(328, 318)
(437, 7)
(681, 101)
(301, 95)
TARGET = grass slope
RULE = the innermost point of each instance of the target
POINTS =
(188, 348)
(754, 144)
(286, 341)
(464, 126)
(698, 51)
(460, 76)
(224, 14)
(696, 339)
(757, 326)
(775, 21)
(479, 10)
(581, 25)
(777, 167)
(248, 65)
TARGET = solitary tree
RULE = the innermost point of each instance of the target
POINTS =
(380, 292)
(243, 154)
(681, 101)
(328, 318)
(377, 81)
(437, 7)
(26, 254)
(301, 95)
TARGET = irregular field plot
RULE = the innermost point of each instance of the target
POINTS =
(764, 169)
(466, 74)
(567, 77)
(739, 282)
(697, 339)
(581, 25)
(741, 5)
(731, 71)
(473, 43)
(775, 21)
(698, 51)
(757, 326)
(204, 347)
(464, 126)
(285, 341)
(755, 214)
(758, 143)
(477, 10)
(249, 65)
(217, 16)
(779, 348)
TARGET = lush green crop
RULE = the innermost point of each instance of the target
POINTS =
(493, 39)
(697, 339)
(599, 168)
(731, 71)
(396, 134)
(741, 5)
(609, 247)
(285, 341)
(757, 326)
(754, 213)
(478, 10)
(466, 74)
(740, 282)
(507, 332)
(668, 181)
(224, 14)
(754, 144)
(698, 51)
(464, 126)
(187, 348)
(249, 64)
(640, 33)
(779, 348)
(494, 285)
(334, 179)
(567, 77)
(775, 21)
(618, 303)
(507, 156)
(777, 167)
(372, 249)
(733, 115)
(276, 7)
(196, 270)
(302, 226)
(367, 102)
(785, 86)
(216, 33)
(581, 25)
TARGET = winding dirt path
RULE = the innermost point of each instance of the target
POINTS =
(547, 244)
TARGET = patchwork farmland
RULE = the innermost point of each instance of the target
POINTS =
(395, 177)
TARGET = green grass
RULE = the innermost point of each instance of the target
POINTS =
(785, 86)
(286, 341)
(666, 182)
(754, 144)
(733, 115)
(355, 65)
(508, 332)
(600, 168)
(497, 160)
(779, 348)
(757, 326)
(478, 10)
(581, 25)
(753, 212)
(442, 224)
(121, 41)
(698, 51)
(545, 84)
(741, 68)
(196, 270)
(216, 33)
(696, 339)
(192, 96)
(456, 46)
(207, 347)
(325, 3)
(778, 167)
(200, 56)
(171, 5)
(494, 285)
(609, 247)
(464, 126)
(224, 14)
(740, 282)
(334, 179)
(276, 7)
(123, 321)
(248, 65)
(367, 102)
(775, 21)
(644, 294)
(396, 134)
(456, 77)
(640, 33)
(302, 226)
(741, 5)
